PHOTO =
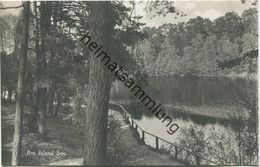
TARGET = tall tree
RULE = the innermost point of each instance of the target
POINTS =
(96, 115)
(16, 152)
(35, 92)
(44, 32)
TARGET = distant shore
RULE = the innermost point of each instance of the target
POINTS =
(253, 76)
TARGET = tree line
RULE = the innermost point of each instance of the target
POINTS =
(198, 46)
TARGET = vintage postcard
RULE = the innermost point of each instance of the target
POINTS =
(163, 82)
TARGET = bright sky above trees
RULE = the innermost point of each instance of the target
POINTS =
(208, 9)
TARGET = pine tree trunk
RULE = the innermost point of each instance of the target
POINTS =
(2, 93)
(43, 91)
(16, 152)
(50, 100)
(32, 121)
(10, 95)
(43, 107)
(58, 97)
(96, 115)
(35, 93)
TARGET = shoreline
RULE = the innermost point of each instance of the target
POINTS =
(197, 114)
(231, 76)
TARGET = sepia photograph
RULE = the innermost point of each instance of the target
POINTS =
(136, 83)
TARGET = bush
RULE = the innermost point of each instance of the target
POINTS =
(116, 152)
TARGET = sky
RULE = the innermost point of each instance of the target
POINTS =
(211, 9)
(206, 9)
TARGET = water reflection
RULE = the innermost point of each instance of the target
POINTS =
(187, 90)
(209, 99)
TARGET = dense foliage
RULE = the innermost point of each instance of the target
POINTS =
(198, 46)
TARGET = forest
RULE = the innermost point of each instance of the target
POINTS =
(45, 67)
(55, 93)
(198, 46)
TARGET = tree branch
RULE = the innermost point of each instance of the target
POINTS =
(11, 7)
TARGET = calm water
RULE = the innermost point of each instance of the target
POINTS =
(186, 91)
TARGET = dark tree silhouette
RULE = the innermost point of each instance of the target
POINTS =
(16, 153)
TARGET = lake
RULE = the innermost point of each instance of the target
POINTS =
(194, 91)
(212, 98)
